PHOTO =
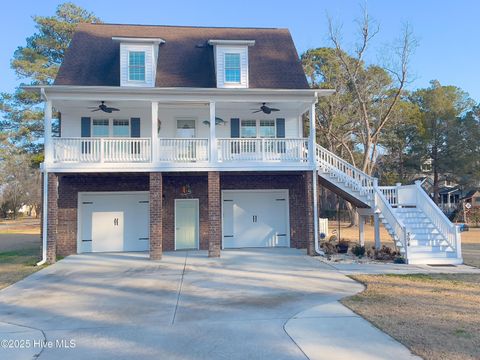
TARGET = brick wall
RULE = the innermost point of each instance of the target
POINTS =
(156, 212)
(71, 184)
(172, 189)
(310, 230)
(52, 218)
(214, 214)
(172, 183)
(295, 184)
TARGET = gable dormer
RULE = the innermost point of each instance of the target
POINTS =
(138, 61)
(231, 62)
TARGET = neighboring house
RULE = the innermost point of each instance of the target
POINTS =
(449, 198)
(178, 138)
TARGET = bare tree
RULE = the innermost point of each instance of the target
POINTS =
(376, 89)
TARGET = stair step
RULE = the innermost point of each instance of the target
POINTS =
(429, 248)
(431, 255)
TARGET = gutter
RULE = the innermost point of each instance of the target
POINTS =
(44, 203)
(315, 214)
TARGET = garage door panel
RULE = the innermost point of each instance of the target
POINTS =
(255, 219)
(114, 222)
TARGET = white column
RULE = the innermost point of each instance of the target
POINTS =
(376, 224)
(154, 139)
(48, 132)
(312, 135)
(213, 136)
(361, 230)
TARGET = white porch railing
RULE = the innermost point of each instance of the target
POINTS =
(390, 193)
(240, 149)
(182, 150)
(100, 150)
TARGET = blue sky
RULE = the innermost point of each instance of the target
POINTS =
(447, 31)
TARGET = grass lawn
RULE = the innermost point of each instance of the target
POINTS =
(17, 264)
(436, 316)
(19, 250)
(470, 240)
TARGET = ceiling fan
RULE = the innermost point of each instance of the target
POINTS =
(104, 108)
(266, 109)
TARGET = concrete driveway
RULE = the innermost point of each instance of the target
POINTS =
(246, 305)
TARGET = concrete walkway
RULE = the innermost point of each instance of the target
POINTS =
(249, 304)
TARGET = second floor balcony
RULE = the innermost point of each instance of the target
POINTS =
(202, 129)
(77, 150)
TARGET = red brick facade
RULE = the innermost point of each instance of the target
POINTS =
(202, 186)
(214, 214)
(156, 215)
(52, 216)
(310, 232)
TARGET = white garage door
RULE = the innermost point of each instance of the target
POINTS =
(116, 221)
(255, 218)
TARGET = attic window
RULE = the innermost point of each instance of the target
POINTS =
(232, 67)
(136, 65)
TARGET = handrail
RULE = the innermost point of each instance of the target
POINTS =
(388, 213)
(327, 159)
(448, 229)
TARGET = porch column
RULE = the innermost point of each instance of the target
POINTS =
(213, 135)
(156, 213)
(309, 213)
(214, 214)
(48, 132)
(154, 139)
(312, 136)
(361, 230)
(376, 224)
(52, 217)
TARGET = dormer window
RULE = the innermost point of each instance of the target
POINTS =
(138, 60)
(231, 62)
(136, 65)
(232, 68)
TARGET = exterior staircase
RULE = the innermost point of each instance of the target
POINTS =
(420, 230)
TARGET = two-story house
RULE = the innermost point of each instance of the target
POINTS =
(176, 138)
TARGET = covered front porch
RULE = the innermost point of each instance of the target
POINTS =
(266, 130)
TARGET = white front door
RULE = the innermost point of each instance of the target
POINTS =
(255, 218)
(185, 128)
(186, 224)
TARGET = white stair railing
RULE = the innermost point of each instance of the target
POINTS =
(348, 173)
(390, 193)
(449, 230)
(398, 227)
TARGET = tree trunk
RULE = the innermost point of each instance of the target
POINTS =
(352, 210)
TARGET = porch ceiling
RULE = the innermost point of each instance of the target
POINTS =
(292, 107)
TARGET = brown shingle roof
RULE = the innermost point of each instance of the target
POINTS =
(93, 57)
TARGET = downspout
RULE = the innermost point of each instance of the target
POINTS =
(315, 213)
(44, 203)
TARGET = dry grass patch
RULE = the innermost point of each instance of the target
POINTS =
(436, 316)
(15, 265)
